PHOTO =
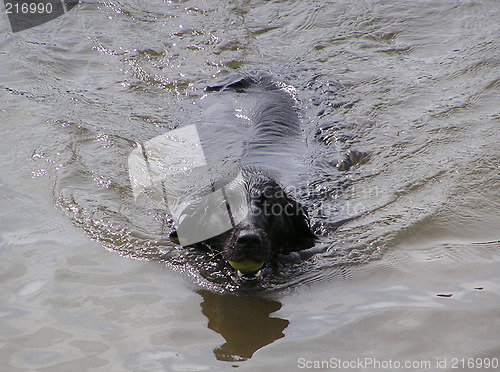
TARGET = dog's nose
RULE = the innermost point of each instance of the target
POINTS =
(249, 240)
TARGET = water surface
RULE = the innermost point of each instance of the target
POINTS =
(89, 278)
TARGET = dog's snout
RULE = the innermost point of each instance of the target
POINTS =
(249, 239)
(248, 245)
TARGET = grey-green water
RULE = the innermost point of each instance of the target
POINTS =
(88, 278)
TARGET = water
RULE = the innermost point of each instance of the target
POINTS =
(89, 279)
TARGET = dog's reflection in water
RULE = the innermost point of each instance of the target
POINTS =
(245, 322)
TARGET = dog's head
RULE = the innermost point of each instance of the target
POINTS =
(266, 222)
(275, 223)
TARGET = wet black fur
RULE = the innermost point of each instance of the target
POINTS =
(276, 223)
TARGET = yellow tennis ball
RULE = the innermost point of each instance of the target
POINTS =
(246, 267)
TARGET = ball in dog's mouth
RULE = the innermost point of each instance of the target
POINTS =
(247, 269)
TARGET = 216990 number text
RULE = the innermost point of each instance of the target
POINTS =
(28, 8)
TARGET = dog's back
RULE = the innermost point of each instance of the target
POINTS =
(252, 120)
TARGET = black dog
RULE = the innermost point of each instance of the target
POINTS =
(275, 223)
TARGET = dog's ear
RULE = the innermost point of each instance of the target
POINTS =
(300, 223)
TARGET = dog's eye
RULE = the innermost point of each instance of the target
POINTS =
(260, 199)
